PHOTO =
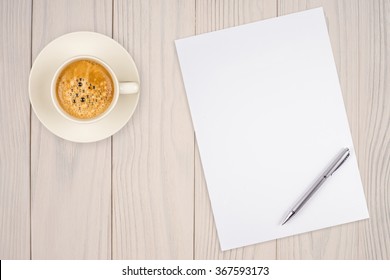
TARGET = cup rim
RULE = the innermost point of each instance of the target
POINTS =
(54, 82)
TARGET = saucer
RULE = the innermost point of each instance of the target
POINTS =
(52, 57)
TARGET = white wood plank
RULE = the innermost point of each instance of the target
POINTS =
(71, 183)
(15, 53)
(153, 156)
(210, 16)
(374, 124)
(340, 242)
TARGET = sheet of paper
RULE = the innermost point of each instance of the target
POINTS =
(269, 117)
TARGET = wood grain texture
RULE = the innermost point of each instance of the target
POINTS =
(357, 42)
(71, 183)
(210, 16)
(15, 53)
(374, 124)
(340, 242)
(153, 156)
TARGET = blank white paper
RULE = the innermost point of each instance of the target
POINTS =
(269, 117)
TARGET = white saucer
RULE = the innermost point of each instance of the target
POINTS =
(60, 50)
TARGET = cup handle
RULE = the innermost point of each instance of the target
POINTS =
(128, 87)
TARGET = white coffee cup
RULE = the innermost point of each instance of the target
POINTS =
(119, 88)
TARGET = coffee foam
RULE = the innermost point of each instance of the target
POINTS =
(84, 89)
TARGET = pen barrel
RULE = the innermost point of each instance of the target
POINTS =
(335, 164)
(309, 193)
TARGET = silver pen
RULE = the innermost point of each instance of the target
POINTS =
(336, 163)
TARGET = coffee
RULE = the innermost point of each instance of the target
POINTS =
(84, 89)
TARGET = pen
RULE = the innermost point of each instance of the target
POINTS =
(339, 160)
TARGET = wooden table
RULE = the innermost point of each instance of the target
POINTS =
(141, 194)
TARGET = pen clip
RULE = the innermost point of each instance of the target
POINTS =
(337, 166)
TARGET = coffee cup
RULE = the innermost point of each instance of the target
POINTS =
(85, 89)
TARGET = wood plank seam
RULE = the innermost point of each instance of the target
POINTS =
(30, 154)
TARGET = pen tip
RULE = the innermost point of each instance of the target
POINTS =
(288, 217)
